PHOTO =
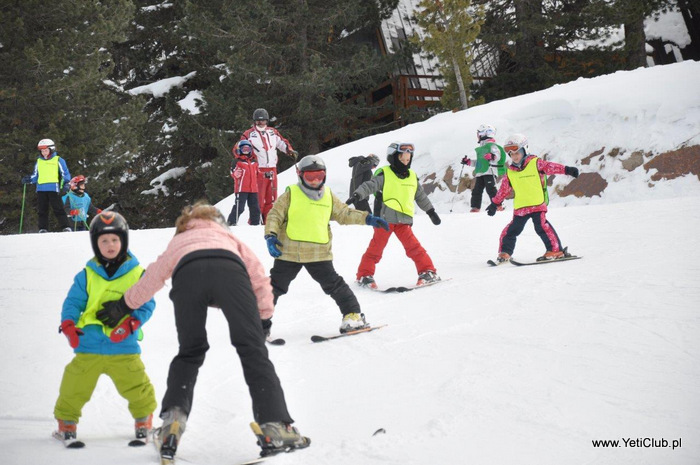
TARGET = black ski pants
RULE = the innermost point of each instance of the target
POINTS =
(283, 273)
(487, 181)
(542, 227)
(253, 205)
(218, 278)
(52, 199)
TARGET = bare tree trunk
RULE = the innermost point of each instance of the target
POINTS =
(635, 42)
(460, 84)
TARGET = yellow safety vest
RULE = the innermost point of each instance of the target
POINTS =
(307, 219)
(400, 194)
(528, 187)
(100, 290)
(48, 170)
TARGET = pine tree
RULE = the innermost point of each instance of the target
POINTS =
(53, 85)
(451, 26)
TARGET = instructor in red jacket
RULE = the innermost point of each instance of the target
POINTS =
(266, 141)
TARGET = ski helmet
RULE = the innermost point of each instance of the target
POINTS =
(485, 131)
(261, 114)
(312, 167)
(396, 148)
(243, 148)
(109, 223)
(514, 143)
(46, 144)
(77, 180)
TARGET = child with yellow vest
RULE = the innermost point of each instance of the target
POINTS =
(298, 235)
(399, 189)
(527, 179)
(99, 348)
(51, 177)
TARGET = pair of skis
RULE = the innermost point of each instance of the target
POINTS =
(541, 262)
(317, 338)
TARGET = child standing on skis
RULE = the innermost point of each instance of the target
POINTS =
(78, 204)
(244, 171)
(298, 235)
(527, 179)
(489, 164)
(400, 189)
(210, 267)
(110, 348)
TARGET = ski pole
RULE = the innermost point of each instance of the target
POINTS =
(456, 188)
(21, 216)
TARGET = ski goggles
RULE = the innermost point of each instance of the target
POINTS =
(511, 149)
(313, 176)
(245, 149)
(400, 148)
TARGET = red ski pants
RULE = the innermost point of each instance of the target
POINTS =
(267, 190)
(414, 250)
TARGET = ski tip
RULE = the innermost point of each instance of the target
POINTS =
(379, 431)
(276, 342)
(316, 338)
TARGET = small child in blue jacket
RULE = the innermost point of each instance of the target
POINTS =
(111, 349)
(78, 204)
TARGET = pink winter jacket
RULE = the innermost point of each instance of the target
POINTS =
(201, 235)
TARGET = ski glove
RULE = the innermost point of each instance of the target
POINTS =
(434, 216)
(71, 332)
(74, 212)
(466, 160)
(354, 198)
(293, 153)
(113, 311)
(273, 245)
(489, 156)
(27, 179)
(377, 222)
(491, 209)
(571, 171)
(125, 329)
(266, 325)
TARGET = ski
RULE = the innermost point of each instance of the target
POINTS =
(563, 259)
(400, 289)
(276, 342)
(492, 263)
(137, 442)
(167, 456)
(69, 443)
(316, 338)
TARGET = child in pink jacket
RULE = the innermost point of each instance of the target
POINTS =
(210, 267)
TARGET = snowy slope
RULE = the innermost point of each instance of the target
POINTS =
(496, 366)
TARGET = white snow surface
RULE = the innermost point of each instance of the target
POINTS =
(495, 366)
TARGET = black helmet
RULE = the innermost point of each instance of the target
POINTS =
(109, 223)
(261, 114)
(311, 163)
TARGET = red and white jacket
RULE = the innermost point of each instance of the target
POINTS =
(266, 142)
(244, 171)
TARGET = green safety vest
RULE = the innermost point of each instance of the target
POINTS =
(307, 219)
(529, 189)
(100, 290)
(482, 164)
(47, 170)
(400, 194)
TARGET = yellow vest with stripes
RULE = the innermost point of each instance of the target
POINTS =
(100, 290)
(47, 170)
(400, 194)
(528, 187)
(307, 219)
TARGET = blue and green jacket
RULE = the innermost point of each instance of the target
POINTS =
(95, 339)
(82, 203)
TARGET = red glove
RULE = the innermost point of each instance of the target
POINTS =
(125, 329)
(74, 212)
(71, 332)
(466, 161)
(489, 156)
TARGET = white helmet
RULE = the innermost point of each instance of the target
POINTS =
(46, 144)
(515, 142)
(485, 131)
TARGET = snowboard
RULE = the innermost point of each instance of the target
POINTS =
(316, 338)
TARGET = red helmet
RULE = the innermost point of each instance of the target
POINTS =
(79, 179)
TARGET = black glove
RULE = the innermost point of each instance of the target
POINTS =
(113, 311)
(491, 209)
(466, 160)
(266, 325)
(27, 179)
(571, 171)
(353, 198)
(434, 216)
(66, 187)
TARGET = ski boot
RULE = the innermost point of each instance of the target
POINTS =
(169, 434)
(353, 322)
(142, 428)
(502, 257)
(367, 281)
(427, 277)
(275, 437)
(549, 255)
(67, 433)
